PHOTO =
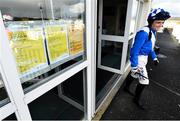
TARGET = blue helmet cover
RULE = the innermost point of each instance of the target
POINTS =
(158, 14)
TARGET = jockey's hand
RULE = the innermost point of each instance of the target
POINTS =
(156, 61)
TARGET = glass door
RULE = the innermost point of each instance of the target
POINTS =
(112, 31)
(116, 31)
(117, 25)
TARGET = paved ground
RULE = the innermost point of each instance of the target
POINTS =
(162, 96)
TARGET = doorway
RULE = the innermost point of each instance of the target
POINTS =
(109, 46)
(117, 25)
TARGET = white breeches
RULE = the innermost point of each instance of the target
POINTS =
(142, 61)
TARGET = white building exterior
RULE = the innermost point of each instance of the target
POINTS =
(64, 47)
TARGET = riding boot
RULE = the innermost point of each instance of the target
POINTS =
(128, 82)
(138, 93)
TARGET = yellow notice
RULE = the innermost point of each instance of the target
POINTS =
(28, 48)
(57, 42)
(76, 38)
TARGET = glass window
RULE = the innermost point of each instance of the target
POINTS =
(128, 50)
(73, 88)
(114, 17)
(64, 102)
(44, 35)
(11, 117)
(111, 54)
(103, 84)
(133, 17)
(3, 94)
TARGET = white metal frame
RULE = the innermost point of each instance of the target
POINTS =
(19, 102)
(8, 108)
(124, 39)
(138, 18)
(37, 92)
(137, 12)
(10, 76)
(91, 24)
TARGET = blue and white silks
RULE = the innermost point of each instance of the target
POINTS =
(141, 49)
(142, 46)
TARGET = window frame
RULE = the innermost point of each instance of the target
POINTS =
(25, 99)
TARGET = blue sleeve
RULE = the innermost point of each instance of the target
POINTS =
(140, 38)
(153, 55)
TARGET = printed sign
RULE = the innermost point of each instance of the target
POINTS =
(57, 42)
(28, 49)
(76, 38)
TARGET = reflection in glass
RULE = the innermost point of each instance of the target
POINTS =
(3, 94)
(72, 12)
(11, 117)
(134, 16)
(44, 35)
(111, 54)
(68, 9)
(128, 51)
(114, 17)
(103, 84)
(73, 88)
(54, 104)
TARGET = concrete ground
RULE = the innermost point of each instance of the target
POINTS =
(162, 96)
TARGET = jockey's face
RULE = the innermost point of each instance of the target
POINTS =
(158, 24)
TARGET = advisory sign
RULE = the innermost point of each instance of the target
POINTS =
(57, 42)
(76, 37)
(28, 49)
